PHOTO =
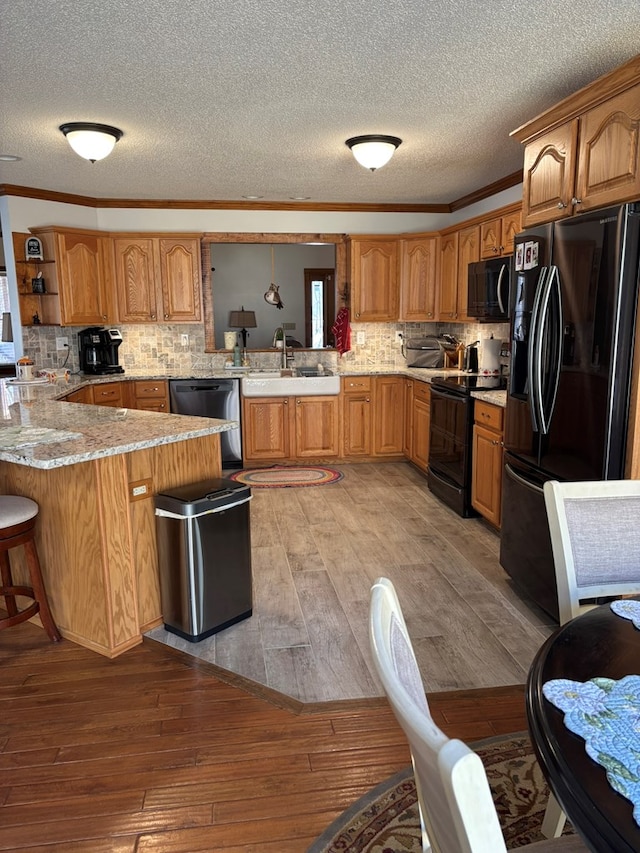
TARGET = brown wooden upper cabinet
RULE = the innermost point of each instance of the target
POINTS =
(497, 235)
(447, 290)
(374, 279)
(584, 152)
(81, 275)
(158, 279)
(418, 256)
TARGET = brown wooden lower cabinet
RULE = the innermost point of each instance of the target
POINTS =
(279, 428)
(82, 395)
(486, 484)
(152, 395)
(357, 408)
(388, 416)
(420, 424)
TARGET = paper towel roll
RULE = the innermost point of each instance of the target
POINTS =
(230, 339)
(490, 356)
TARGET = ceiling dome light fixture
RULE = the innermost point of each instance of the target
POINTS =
(373, 150)
(89, 140)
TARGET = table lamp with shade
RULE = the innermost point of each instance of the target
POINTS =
(243, 320)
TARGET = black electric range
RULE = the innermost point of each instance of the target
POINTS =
(450, 436)
(465, 383)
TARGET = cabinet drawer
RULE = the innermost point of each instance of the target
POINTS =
(147, 390)
(422, 391)
(488, 415)
(356, 384)
(150, 404)
(109, 394)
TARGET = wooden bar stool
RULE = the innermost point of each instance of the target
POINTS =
(17, 527)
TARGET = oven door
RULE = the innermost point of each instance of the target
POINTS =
(449, 474)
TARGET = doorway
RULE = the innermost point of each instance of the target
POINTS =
(319, 307)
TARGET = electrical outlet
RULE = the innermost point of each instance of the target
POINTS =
(398, 337)
(62, 343)
(184, 340)
(360, 337)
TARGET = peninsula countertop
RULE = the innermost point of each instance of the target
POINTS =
(39, 431)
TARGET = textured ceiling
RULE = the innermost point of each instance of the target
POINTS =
(230, 98)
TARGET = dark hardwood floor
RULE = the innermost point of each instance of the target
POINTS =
(159, 752)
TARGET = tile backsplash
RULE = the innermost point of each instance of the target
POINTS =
(159, 347)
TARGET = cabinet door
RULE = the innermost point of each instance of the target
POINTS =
(388, 429)
(408, 418)
(608, 167)
(181, 280)
(468, 253)
(511, 225)
(418, 279)
(374, 280)
(486, 482)
(549, 173)
(136, 274)
(317, 426)
(447, 291)
(421, 424)
(265, 428)
(356, 419)
(80, 279)
(491, 238)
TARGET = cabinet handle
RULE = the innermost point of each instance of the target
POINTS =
(367, 400)
(575, 200)
(162, 405)
(153, 316)
(166, 316)
(298, 402)
(561, 205)
(358, 314)
(286, 402)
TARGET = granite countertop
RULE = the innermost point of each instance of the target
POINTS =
(38, 431)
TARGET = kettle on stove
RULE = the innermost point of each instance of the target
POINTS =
(471, 357)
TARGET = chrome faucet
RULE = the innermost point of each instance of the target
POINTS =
(284, 344)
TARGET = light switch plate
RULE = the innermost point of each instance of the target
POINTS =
(184, 340)
(360, 337)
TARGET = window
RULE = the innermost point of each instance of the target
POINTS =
(7, 353)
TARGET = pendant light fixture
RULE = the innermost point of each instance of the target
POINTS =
(373, 150)
(89, 140)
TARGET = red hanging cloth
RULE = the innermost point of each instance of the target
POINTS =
(342, 331)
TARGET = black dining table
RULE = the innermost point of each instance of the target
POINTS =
(598, 643)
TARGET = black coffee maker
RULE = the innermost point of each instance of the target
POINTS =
(99, 350)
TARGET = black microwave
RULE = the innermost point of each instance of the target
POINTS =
(488, 292)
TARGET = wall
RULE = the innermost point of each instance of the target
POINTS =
(242, 275)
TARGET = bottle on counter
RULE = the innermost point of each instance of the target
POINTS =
(237, 356)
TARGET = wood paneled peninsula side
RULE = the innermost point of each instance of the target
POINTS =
(93, 471)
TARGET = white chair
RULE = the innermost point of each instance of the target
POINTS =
(595, 538)
(596, 552)
(457, 812)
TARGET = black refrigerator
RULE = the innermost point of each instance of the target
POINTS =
(573, 306)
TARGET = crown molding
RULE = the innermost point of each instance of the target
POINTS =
(204, 204)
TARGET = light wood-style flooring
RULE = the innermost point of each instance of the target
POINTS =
(316, 552)
(153, 753)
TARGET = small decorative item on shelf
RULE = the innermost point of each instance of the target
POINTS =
(37, 284)
(33, 249)
(36, 319)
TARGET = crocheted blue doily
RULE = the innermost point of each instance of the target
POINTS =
(606, 713)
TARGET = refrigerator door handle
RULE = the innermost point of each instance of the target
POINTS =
(503, 270)
(549, 318)
(535, 392)
(527, 484)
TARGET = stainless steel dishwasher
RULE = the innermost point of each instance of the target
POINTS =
(212, 398)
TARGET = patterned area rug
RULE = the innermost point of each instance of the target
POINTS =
(287, 476)
(386, 819)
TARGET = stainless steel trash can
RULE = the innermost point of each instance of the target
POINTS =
(204, 556)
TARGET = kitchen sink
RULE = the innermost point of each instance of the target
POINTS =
(273, 384)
